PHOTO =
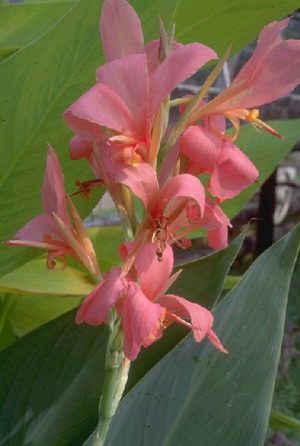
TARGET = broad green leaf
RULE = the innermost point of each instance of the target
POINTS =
(30, 312)
(50, 384)
(7, 335)
(65, 410)
(36, 85)
(197, 396)
(219, 23)
(35, 278)
(21, 24)
(210, 271)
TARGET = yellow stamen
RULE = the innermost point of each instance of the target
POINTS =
(252, 116)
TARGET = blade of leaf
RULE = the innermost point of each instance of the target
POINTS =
(35, 278)
(242, 21)
(195, 395)
(21, 24)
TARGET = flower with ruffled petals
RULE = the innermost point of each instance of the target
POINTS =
(271, 72)
(131, 86)
(140, 301)
(54, 230)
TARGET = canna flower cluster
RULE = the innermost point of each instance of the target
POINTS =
(121, 128)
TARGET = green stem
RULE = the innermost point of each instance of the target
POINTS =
(116, 375)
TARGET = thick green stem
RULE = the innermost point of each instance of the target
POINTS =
(116, 375)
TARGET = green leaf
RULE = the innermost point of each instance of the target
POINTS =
(30, 312)
(21, 24)
(219, 23)
(294, 301)
(50, 384)
(106, 242)
(195, 395)
(65, 410)
(210, 272)
(35, 278)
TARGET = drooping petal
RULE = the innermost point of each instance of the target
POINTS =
(99, 106)
(201, 147)
(120, 30)
(141, 321)
(141, 180)
(201, 318)
(182, 186)
(153, 274)
(128, 77)
(181, 64)
(233, 172)
(53, 192)
(95, 308)
(216, 222)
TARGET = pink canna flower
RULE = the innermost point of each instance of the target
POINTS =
(54, 230)
(172, 211)
(272, 72)
(131, 86)
(142, 304)
(229, 168)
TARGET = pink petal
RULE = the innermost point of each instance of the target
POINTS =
(141, 180)
(152, 53)
(99, 106)
(80, 148)
(128, 77)
(181, 64)
(271, 72)
(201, 148)
(201, 318)
(153, 274)
(232, 173)
(53, 190)
(120, 30)
(36, 229)
(213, 338)
(216, 223)
(182, 186)
(95, 308)
(140, 321)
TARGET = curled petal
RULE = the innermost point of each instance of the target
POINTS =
(141, 180)
(141, 321)
(201, 318)
(201, 148)
(182, 186)
(95, 308)
(216, 223)
(40, 229)
(233, 173)
(120, 29)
